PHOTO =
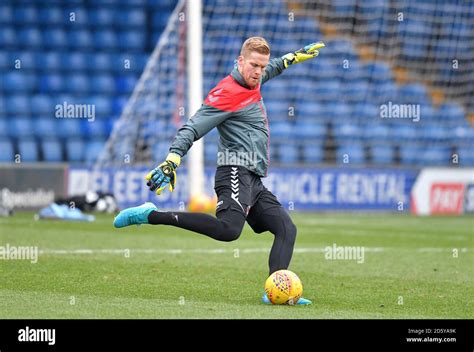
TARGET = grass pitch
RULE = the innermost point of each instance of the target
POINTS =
(413, 267)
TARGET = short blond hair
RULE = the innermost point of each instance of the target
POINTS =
(257, 44)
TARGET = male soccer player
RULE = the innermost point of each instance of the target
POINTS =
(236, 108)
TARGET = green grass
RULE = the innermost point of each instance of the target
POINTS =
(407, 258)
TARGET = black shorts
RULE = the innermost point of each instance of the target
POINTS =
(241, 190)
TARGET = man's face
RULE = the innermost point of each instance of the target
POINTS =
(251, 67)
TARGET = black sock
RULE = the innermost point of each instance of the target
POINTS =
(227, 227)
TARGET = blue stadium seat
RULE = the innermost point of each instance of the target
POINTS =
(93, 150)
(465, 154)
(26, 60)
(210, 152)
(80, 39)
(48, 62)
(55, 39)
(21, 127)
(28, 150)
(346, 131)
(406, 132)
(277, 109)
(69, 127)
(288, 153)
(102, 84)
(377, 71)
(52, 150)
(51, 16)
(311, 130)
(132, 40)
(382, 153)
(102, 17)
(75, 61)
(17, 105)
(6, 150)
(413, 93)
(46, 126)
(4, 127)
(410, 153)
(77, 83)
(29, 38)
(95, 129)
(24, 15)
(313, 153)
(42, 104)
(102, 62)
(52, 83)
(125, 84)
(118, 104)
(450, 113)
(436, 155)
(160, 19)
(5, 62)
(8, 38)
(6, 14)
(103, 106)
(18, 81)
(350, 153)
(134, 17)
(379, 132)
(105, 40)
(75, 149)
(281, 130)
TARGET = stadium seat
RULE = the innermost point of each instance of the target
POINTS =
(48, 62)
(210, 152)
(79, 39)
(93, 150)
(313, 152)
(46, 126)
(6, 14)
(75, 61)
(21, 127)
(75, 150)
(350, 153)
(105, 40)
(4, 127)
(288, 153)
(125, 84)
(6, 150)
(28, 150)
(382, 153)
(17, 105)
(102, 17)
(29, 38)
(25, 15)
(52, 150)
(309, 130)
(8, 38)
(54, 39)
(77, 83)
(436, 155)
(51, 16)
(410, 153)
(465, 154)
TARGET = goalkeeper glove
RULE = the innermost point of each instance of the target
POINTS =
(303, 54)
(164, 174)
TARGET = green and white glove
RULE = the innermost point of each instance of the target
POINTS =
(303, 54)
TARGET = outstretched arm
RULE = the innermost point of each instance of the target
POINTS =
(277, 65)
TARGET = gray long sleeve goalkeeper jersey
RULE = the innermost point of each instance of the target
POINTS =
(241, 119)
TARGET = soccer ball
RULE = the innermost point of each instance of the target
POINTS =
(283, 287)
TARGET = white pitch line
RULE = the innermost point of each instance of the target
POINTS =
(232, 251)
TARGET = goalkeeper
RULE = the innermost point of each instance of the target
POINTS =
(236, 108)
